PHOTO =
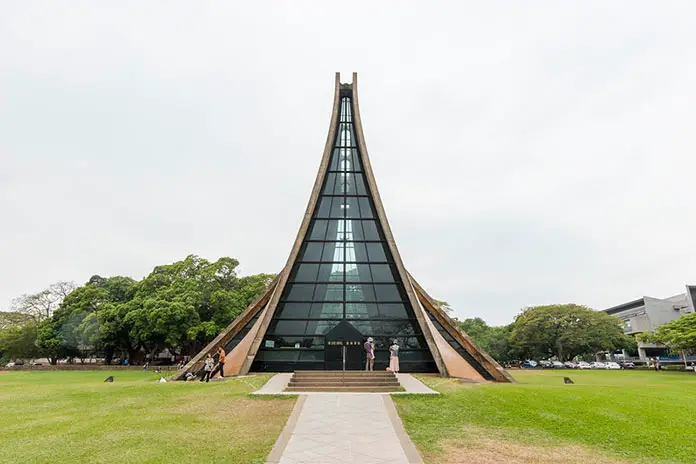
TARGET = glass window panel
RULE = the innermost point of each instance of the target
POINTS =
(352, 207)
(353, 230)
(306, 273)
(328, 292)
(370, 230)
(360, 292)
(320, 327)
(387, 292)
(312, 251)
(326, 311)
(333, 251)
(360, 188)
(367, 328)
(365, 208)
(300, 292)
(392, 311)
(343, 183)
(361, 311)
(356, 251)
(358, 272)
(330, 183)
(414, 355)
(337, 208)
(356, 159)
(289, 327)
(278, 355)
(324, 207)
(333, 166)
(293, 310)
(330, 273)
(406, 343)
(312, 356)
(284, 341)
(376, 252)
(382, 273)
(335, 229)
(398, 328)
(318, 231)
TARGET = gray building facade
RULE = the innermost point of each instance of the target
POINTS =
(647, 313)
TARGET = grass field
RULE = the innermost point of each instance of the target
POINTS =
(606, 417)
(75, 417)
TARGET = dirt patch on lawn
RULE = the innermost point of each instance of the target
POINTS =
(492, 449)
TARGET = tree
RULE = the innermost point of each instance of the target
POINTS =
(493, 340)
(445, 306)
(18, 342)
(678, 334)
(566, 331)
(41, 305)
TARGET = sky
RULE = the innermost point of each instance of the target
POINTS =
(526, 153)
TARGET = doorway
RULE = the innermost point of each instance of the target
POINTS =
(344, 339)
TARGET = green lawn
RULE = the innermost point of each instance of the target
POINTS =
(623, 415)
(76, 417)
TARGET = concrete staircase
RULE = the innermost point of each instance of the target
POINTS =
(343, 381)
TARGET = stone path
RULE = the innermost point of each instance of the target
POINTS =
(344, 428)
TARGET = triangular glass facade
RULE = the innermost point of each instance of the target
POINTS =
(344, 271)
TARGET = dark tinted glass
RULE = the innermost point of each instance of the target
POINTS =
(307, 273)
(318, 230)
(376, 253)
(370, 230)
(312, 251)
(382, 273)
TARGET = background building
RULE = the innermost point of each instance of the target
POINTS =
(647, 313)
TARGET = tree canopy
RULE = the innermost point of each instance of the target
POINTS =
(179, 307)
(678, 334)
(566, 331)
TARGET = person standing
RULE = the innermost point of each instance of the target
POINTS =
(221, 363)
(370, 354)
(394, 357)
(208, 368)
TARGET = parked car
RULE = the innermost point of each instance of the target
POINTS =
(584, 365)
(558, 365)
(612, 366)
(627, 365)
(570, 365)
(529, 364)
(10, 365)
(546, 364)
(598, 365)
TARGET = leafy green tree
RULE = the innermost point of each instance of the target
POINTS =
(494, 340)
(18, 342)
(678, 334)
(566, 331)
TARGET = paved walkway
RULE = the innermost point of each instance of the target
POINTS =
(344, 428)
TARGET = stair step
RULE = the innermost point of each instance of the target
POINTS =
(339, 384)
(342, 389)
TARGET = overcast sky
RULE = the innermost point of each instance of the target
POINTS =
(526, 152)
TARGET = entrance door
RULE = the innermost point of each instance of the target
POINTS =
(343, 337)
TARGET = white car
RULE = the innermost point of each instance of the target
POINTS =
(558, 365)
(612, 365)
(584, 365)
(598, 365)
(8, 365)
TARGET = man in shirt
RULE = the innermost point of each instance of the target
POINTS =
(221, 363)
